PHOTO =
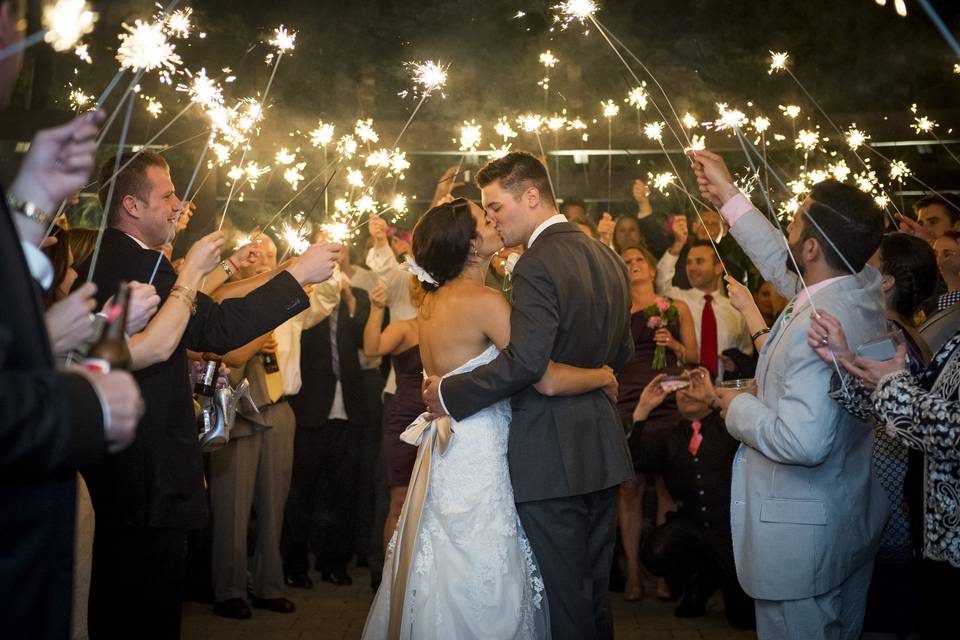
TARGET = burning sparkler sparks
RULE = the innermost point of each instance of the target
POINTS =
(610, 109)
(761, 124)
(347, 146)
(922, 124)
(283, 40)
(154, 108)
(807, 139)
(898, 5)
(470, 135)
(840, 171)
(295, 237)
(178, 23)
(654, 131)
(364, 131)
(790, 110)
(530, 122)
(144, 47)
(294, 174)
(322, 135)
(285, 157)
(503, 129)
(778, 61)
(661, 181)
(556, 122)
(66, 21)
(428, 76)
(354, 178)
(79, 100)
(548, 60)
(729, 118)
(855, 138)
(689, 121)
(638, 97)
(899, 170)
(399, 203)
(574, 10)
(82, 51)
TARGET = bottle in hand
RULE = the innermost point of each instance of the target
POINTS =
(207, 383)
(111, 351)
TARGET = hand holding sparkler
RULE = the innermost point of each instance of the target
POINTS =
(680, 232)
(641, 195)
(317, 263)
(246, 256)
(378, 230)
(144, 303)
(187, 209)
(713, 177)
(605, 228)
(827, 339)
(58, 164)
(203, 256)
(70, 321)
(913, 228)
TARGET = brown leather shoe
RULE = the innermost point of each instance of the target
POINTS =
(278, 605)
(233, 608)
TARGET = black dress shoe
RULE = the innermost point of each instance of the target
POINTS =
(233, 608)
(339, 578)
(299, 580)
(278, 605)
(693, 602)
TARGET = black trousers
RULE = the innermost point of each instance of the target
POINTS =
(940, 592)
(321, 506)
(689, 556)
(370, 439)
(572, 539)
(136, 585)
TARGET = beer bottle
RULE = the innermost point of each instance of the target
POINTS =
(207, 383)
(111, 350)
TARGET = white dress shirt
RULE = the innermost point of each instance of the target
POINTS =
(549, 222)
(732, 332)
(323, 299)
(385, 267)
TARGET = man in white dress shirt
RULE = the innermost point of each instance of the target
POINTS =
(726, 328)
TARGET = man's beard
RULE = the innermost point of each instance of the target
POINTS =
(793, 250)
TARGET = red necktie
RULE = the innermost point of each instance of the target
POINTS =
(695, 439)
(708, 336)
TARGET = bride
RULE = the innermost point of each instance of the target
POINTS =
(459, 564)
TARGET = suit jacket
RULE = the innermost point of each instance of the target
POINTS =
(571, 305)
(50, 423)
(312, 404)
(158, 480)
(806, 511)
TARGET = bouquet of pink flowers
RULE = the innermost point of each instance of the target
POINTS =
(662, 314)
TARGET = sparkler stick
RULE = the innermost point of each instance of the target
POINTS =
(284, 42)
(109, 200)
(306, 216)
(793, 260)
(149, 142)
(941, 27)
(127, 94)
(297, 195)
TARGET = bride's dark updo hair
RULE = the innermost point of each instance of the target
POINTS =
(441, 241)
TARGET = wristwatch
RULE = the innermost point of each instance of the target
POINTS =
(28, 209)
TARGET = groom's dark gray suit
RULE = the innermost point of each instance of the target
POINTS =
(567, 454)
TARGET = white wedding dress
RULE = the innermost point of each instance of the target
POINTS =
(471, 573)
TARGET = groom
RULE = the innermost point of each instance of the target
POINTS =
(567, 455)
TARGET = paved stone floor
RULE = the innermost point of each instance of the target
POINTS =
(327, 612)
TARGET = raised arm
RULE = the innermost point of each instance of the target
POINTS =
(379, 341)
(761, 241)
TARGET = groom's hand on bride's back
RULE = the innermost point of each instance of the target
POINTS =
(430, 391)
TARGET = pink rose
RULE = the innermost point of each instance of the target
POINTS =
(654, 322)
(663, 304)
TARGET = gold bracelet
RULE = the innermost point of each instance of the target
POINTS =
(191, 294)
(185, 300)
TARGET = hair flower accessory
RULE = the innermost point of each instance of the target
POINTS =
(421, 273)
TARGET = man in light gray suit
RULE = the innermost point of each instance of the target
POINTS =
(806, 511)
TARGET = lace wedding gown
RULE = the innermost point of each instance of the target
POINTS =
(471, 573)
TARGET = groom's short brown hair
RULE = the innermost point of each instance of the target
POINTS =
(517, 172)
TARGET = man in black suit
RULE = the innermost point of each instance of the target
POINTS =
(50, 422)
(331, 411)
(567, 455)
(146, 499)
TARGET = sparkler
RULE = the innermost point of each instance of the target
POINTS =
(470, 135)
(284, 42)
(923, 124)
(574, 11)
(504, 130)
(778, 61)
(145, 48)
(856, 138)
(899, 6)
(64, 23)
(178, 23)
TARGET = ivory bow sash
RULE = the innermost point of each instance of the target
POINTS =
(429, 435)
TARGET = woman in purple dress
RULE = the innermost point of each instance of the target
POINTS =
(401, 340)
(664, 341)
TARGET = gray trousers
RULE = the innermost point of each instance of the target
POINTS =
(251, 472)
(572, 540)
(834, 615)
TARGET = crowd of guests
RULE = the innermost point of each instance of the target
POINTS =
(789, 417)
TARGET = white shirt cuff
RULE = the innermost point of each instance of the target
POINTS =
(443, 405)
(38, 263)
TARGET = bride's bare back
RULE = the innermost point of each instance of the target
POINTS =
(458, 322)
